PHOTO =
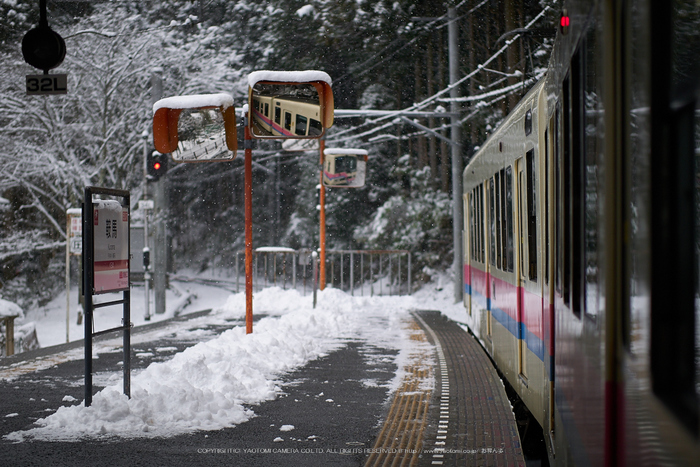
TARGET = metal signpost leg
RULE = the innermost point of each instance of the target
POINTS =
(87, 290)
(322, 232)
(248, 231)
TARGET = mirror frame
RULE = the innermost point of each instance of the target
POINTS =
(166, 114)
(318, 79)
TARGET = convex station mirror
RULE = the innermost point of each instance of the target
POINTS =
(289, 104)
(344, 168)
(196, 128)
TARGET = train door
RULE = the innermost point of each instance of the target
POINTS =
(468, 246)
(522, 266)
(548, 288)
(491, 193)
(287, 121)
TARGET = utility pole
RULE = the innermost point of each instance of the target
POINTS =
(457, 219)
(160, 243)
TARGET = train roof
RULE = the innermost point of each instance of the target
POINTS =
(484, 157)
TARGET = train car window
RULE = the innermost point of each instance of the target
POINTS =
(472, 224)
(675, 346)
(482, 225)
(300, 127)
(521, 222)
(577, 174)
(499, 220)
(546, 199)
(592, 130)
(315, 127)
(278, 115)
(492, 221)
(287, 121)
(531, 214)
(267, 109)
(564, 195)
(528, 122)
(509, 249)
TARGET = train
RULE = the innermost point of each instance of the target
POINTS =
(339, 169)
(581, 238)
(286, 116)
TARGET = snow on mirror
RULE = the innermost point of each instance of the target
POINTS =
(286, 105)
(196, 128)
(344, 168)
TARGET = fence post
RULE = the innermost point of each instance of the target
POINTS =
(352, 273)
(371, 277)
(362, 274)
(410, 289)
(314, 257)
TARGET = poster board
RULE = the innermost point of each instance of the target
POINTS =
(111, 246)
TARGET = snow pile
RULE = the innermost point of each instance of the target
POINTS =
(306, 76)
(8, 308)
(194, 101)
(208, 386)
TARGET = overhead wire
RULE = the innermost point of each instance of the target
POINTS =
(436, 96)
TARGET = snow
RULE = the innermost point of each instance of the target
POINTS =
(8, 308)
(194, 101)
(275, 249)
(343, 151)
(216, 383)
(288, 76)
(305, 10)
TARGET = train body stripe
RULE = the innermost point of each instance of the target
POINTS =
(275, 127)
(530, 328)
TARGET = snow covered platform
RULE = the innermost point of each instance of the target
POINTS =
(355, 381)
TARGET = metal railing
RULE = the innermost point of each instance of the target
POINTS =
(358, 272)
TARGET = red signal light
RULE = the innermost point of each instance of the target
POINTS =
(156, 165)
(564, 22)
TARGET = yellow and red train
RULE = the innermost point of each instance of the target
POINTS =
(581, 238)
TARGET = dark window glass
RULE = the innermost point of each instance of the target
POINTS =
(508, 216)
(300, 128)
(315, 127)
(531, 214)
(492, 222)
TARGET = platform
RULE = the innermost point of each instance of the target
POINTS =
(449, 407)
(465, 420)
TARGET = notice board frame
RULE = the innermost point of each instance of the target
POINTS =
(89, 287)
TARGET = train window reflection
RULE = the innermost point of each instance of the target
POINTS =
(297, 104)
(300, 128)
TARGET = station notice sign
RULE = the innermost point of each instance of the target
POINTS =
(75, 231)
(111, 250)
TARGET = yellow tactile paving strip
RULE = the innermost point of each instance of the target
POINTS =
(400, 441)
(453, 411)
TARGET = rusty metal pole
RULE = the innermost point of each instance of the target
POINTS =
(248, 231)
(322, 234)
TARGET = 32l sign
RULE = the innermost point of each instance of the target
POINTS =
(47, 84)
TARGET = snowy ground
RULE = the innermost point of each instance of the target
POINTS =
(210, 385)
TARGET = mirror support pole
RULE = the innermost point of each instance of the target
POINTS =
(248, 166)
(322, 227)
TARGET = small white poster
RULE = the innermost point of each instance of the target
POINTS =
(75, 231)
(111, 260)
